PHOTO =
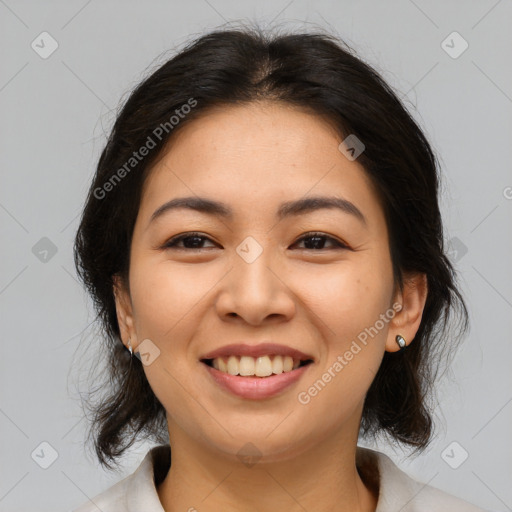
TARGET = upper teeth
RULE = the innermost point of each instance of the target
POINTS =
(260, 366)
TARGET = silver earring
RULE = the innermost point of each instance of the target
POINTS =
(130, 347)
(401, 342)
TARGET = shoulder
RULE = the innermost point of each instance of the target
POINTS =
(112, 499)
(137, 491)
(398, 491)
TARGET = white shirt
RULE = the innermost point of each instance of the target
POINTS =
(397, 491)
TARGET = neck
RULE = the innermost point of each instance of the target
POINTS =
(322, 478)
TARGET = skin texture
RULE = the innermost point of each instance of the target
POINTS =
(190, 301)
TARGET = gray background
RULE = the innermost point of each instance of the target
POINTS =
(55, 113)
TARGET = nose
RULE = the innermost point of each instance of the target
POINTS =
(256, 292)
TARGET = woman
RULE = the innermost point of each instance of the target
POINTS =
(263, 242)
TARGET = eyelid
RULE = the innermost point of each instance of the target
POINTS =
(177, 238)
(339, 243)
(171, 243)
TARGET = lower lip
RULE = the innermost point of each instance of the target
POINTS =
(256, 388)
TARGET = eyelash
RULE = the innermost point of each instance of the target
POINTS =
(172, 243)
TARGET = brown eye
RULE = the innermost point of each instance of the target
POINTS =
(318, 240)
(195, 241)
(191, 241)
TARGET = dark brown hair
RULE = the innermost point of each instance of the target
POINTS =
(313, 71)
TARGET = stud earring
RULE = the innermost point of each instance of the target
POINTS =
(400, 340)
(130, 347)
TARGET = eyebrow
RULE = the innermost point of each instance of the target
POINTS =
(287, 209)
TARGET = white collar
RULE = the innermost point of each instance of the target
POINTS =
(397, 491)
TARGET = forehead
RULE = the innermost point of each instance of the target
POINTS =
(255, 157)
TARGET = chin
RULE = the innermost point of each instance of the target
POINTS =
(264, 447)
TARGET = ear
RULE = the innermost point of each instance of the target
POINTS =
(407, 320)
(124, 312)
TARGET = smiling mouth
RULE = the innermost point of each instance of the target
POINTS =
(264, 366)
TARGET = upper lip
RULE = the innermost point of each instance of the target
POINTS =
(263, 349)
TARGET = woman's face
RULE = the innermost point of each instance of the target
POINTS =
(255, 276)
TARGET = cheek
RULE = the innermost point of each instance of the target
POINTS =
(164, 297)
(346, 298)
(347, 307)
(164, 294)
